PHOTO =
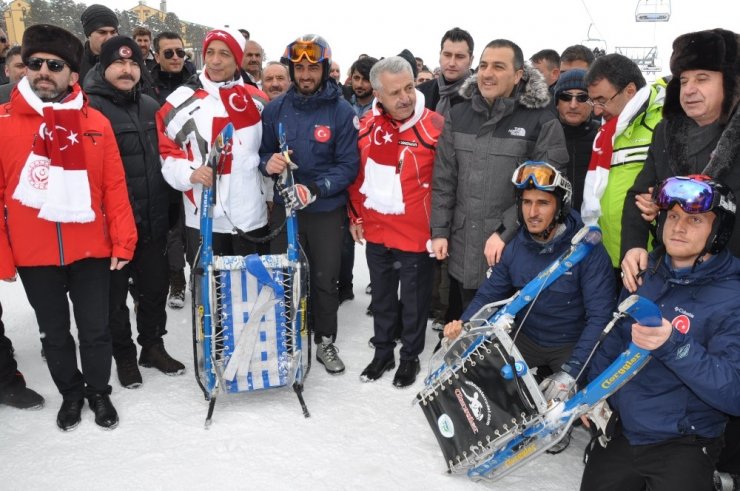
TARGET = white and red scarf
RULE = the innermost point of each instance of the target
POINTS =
(382, 182)
(54, 177)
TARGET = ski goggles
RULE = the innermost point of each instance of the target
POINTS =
(693, 194)
(541, 175)
(312, 51)
(35, 63)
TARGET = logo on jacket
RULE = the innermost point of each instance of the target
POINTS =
(321, 133)
(681, 323)
(38, 174)
(517, 131)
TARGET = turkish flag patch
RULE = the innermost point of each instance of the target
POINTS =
(681, 323)
(321, 133)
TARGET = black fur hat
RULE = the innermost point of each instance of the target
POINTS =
(46, 38)
(715, 50)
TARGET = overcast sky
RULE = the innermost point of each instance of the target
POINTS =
(385, 27)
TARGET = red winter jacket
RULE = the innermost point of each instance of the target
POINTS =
(409, 231)
(26, 239)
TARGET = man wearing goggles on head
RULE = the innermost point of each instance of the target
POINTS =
(699, 134)
(673, 412)
(321, 133)
(563, 324)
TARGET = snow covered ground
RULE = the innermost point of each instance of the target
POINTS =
(359, 436)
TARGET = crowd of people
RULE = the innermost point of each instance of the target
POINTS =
(102, 170)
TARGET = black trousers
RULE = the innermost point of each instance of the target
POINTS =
(685, 464)
(320, 235)
(459, 299)
(149, 271)
(176, 237)
(552, 357)
(88, 284)
(348, 257)
(414, 271)
(9, 375)
(226, 244)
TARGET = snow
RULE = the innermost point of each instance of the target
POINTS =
(359, 435)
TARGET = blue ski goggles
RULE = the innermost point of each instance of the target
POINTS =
(541, 175)
(694, 194)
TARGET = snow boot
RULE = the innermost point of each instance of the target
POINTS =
(724, 481)
(176, 300)
(327, 355)
(155, 356)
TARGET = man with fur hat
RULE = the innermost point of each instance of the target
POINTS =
(504, 121)
(68, 213)
(188, 124)
(699, 134)
(100, 24)
(321, 130)
(113, 87)
(575, 112)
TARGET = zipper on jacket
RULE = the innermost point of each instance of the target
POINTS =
(92, 135)
(61, 244)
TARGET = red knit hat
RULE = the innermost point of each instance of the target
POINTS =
(233, 39)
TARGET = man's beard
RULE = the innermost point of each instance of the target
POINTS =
(47, 94)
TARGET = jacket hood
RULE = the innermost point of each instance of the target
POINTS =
(531, 91)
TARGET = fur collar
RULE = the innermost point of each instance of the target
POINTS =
(725, 153)
(531, 92)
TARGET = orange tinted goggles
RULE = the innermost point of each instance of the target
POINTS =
(540, 174)
(311, 51)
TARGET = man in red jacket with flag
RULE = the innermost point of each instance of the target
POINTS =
(67, 210)
(390, 205)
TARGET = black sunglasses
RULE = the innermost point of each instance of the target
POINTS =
(3, 40)
(565, 97)
(54, 65)
(169, 53)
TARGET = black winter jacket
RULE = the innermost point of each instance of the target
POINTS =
(580, 142)
(132, 119)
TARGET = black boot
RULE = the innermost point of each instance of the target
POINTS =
(106, 415)
(128, 372)
(406, 373)
(376, 369)
(68, 416)
(155, 356)
(21, 398)
(176, 299)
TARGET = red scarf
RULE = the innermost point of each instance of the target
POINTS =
(54, 177)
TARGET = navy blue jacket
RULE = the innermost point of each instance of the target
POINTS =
(694, 378)
(321, 129)
(574, 309)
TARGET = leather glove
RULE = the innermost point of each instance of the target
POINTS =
(297, 196)
(558, 386)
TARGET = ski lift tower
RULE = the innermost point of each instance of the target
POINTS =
(645, 57)
(653, 11)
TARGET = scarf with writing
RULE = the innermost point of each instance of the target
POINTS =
(54, 177)
(382, 182)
